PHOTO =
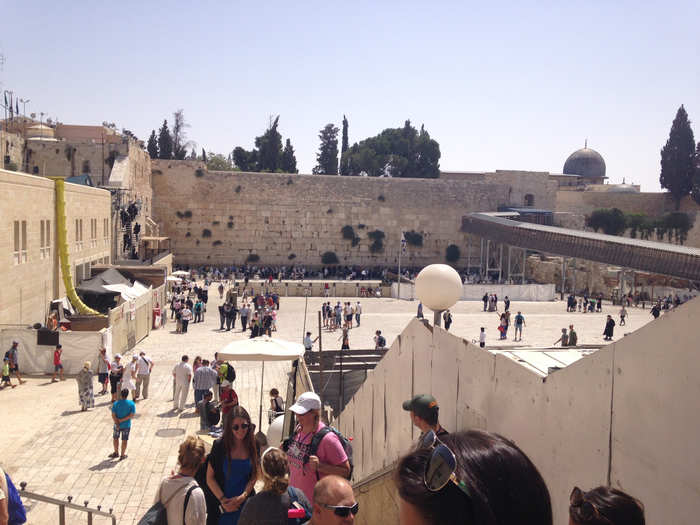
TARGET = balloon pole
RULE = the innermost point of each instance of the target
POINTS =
(262, 387)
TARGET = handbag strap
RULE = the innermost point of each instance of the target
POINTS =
(176, 492)
(187, 500)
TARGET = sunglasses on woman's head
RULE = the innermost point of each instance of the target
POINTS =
(342, 511)
(588, 511)
(441, 466)
(244, 426)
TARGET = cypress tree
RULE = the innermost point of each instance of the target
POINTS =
(152, 147)
(165, 142)
(678, 158)
(204, 155)
(289, 160)
(327, 156)
(344, 165)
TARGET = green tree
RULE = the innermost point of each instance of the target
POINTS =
(217, 162)
(153, 145)
(179, 138)
(344, 168)
(165, 142)
(245, 160)
(289, 160)
(678, 158)
(269, 146)
(327, 156)
(611, 221)
(204, 155)
(398, 152)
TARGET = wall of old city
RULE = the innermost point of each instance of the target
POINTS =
(29, 258)
(11, 146)
(289, 219)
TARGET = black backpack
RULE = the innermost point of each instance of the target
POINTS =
(230, 372)
(158, 514)
(316, 441)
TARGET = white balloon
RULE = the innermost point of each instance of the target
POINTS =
(438, 286)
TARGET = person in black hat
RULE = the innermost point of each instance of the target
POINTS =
(424, 414)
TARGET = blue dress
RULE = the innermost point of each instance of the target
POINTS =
(237, 472)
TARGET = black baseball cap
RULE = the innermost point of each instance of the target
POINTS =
(422, 405)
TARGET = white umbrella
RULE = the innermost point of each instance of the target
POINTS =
(173, 279)
(263, 349)
(181, 272)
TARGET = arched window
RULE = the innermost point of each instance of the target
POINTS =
(529, 199)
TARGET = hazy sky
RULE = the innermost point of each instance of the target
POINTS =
(511, 85)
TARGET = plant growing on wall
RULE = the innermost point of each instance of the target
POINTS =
(188, 234)
(292, 256)
(216, 243)
(377, 237)
(229, 224)
(413, 238)
(361, 226)
(199, 172)
(452, 253)
(252, 258)
(381, 198)
(188, 214)
(355, 241)
(206, 233)
(215, 223)
(329, 258)
(348, 232)
(330, 210)
(238, 189)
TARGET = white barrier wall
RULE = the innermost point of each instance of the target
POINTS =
(563, 422)
(474, 292)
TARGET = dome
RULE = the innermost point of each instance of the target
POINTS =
(587, 163)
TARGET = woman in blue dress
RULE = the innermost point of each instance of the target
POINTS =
(233, 465)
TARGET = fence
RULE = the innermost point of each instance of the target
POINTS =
(474, 292)
(131, 321)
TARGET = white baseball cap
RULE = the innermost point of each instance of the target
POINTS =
(225, 383)
(305, 402)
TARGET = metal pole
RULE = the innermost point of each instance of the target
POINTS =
(436, 317)
(398, 277)
(508, 276)
(306, 302)
(488, 257)
(500, 263)
(320, 361)
(524, 263)
(563, 276)
(469, 253)
(262, 387)
(341, 385)
(574, 285)
(481, 260)
(62, 515)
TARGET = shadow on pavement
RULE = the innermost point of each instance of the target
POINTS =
(104, 465)
(169, 413)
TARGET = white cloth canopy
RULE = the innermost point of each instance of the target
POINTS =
(181, 272)
(128, 293)
(261, 348)
(173, 279)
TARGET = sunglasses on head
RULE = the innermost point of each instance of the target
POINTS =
(587, 510)
(441, 466)
(244, 426)
(342, 511)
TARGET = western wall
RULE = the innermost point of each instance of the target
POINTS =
(224, 217)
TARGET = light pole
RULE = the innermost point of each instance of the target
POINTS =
(24, 132)
(438, 286)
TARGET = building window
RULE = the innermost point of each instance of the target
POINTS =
(78, 234)
(93, 233)
(24, 242)
(47, 237)
(42, 239)
(15, 253)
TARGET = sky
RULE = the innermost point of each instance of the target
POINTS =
(508, 85)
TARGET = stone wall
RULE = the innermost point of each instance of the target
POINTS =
(11, 145)
(32, 276)
(276, 216)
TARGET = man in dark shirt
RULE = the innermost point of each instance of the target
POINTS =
(424, 414)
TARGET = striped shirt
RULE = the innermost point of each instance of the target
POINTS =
(204, 378)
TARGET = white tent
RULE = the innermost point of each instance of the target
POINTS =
(181, 273)
(263, 349)
(173, 279)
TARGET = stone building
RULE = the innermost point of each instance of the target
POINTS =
(586, 163)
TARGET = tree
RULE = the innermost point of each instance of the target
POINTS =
(289, 160)
(678, 158)
(344, 168)
(180, 142)
(398, 152)
(204, 155)
(245, 160)
(612, 222)
(327, 156)
(269, 146)
(695, 192)
(153, 145)
(165, 142)
(217, 162)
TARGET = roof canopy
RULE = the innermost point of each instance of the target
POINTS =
(261, 348)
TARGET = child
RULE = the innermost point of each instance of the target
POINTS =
(6, 373)
(57, 365)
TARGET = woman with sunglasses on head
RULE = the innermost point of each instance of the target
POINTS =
(470, 477)
(604, 506)
(272, 506)
(233, 465)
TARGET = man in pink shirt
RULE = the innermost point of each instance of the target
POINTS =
(305, 468)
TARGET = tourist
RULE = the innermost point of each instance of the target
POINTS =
(604, 506)
(506, 303)
(209, 413)
(358, 313)
(599, 302)
(419, 313)
(203, 380)
(307, 466)
(573, 336)
(233, 465)
(143, 375)
(229, 398)
(222, 316)
(197, 363)
(276, 405)
(198, 306)
(129, 377)
(502, 325)
(623, 315)
(86, 397)
(180, 493)
(6, 381)
(424, 410)
(482, 337)
(485, 300)
(519, 323)
(334, 502)
(57, 365)
(245, 314)
(655, 311)
(272, 505)
(447, 318)
(379, 340)
(564, 339)
(116, 373)
(231, 317)
(122, 413)
(471, 477)
(308, 342)
(102, 370)
(609, 328)
(221, 290)
(345, 338)
(13, 355)
(186, 317)
(182, 373)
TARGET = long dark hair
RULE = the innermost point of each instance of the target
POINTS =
(504, 485)
(249, 441)
(614, 507)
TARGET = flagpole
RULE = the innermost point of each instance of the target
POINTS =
(398, 292)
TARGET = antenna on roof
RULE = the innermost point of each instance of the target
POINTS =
(585, 144)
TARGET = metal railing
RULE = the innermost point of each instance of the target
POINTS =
(63, 505)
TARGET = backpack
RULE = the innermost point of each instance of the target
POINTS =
(230, 373)
(158, 514)
(15, 508)
(316, 441)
